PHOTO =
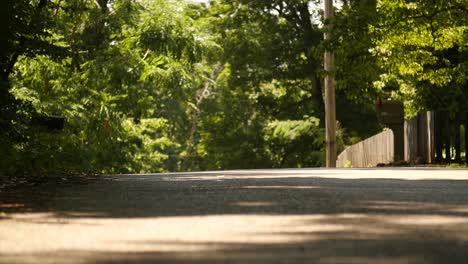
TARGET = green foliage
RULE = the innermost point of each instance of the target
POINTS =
(348, 164)
(153, 149)
(422, 48)
(286, 143)
(108, 78)
(23, 30)
(273, 52)
(356, 68)
(155, 86)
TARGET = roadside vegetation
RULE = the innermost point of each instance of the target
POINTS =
(158, 86)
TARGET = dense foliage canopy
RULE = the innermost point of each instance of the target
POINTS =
(155, 85)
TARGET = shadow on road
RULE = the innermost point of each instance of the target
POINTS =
(318, 219)
(162, 196)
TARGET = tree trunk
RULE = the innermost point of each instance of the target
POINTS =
(457, 140)
(10, 65)
(466, 138)
(317, 95)
(438, 137)
(311, 39)
(448, 134)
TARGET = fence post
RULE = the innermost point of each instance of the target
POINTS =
(430, 136)
(411, 139)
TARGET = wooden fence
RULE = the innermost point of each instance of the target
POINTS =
(370, 152)
(431, 137)
(419, 139)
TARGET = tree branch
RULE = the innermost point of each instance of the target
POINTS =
(22, 43)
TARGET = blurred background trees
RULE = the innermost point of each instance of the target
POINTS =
(154, 86)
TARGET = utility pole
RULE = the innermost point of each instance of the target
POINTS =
(330, 112)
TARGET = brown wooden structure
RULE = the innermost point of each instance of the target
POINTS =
(378, 149)
(431, 137)
(419, 139)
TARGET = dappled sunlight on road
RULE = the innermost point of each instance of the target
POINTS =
(309, 216)
(409, 206)
(281, 187)
(402, 173)
(344, 238)
(251, 204)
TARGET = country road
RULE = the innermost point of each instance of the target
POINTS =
(251, 216)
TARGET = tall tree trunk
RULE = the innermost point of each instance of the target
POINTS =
(317, 95)
(203, 93)
(457, 140)
(311, 39)
(439, 136)
(448, 135)
(466, 138)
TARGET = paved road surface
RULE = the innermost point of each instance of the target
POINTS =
(262, 216)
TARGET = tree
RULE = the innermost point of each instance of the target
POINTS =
(24, 32)
(421, 46)
(124, 84)
(166, 85)
(272, 52)
(269, 84)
